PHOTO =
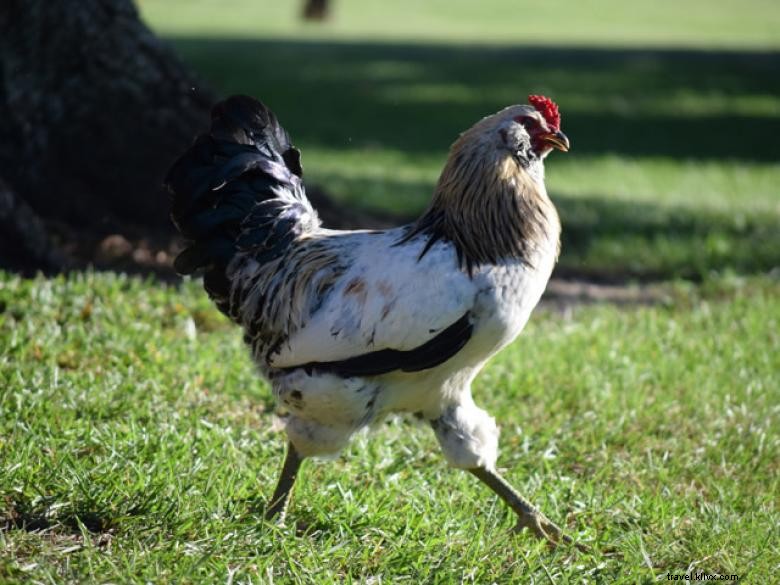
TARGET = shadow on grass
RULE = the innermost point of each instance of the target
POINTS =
(612, 240)
(31, 517)
(417, 98)
(93, 512)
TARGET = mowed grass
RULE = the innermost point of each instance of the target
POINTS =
(675, 163)
(137, 444)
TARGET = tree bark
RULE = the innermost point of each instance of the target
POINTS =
(93, 109)
(316, 9)
(24, 241)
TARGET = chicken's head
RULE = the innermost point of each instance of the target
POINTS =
(531, 132)
(515, 139)
(491, 199)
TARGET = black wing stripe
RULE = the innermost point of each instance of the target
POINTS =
(429, 355)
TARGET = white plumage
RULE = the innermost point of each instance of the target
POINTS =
(380, 302)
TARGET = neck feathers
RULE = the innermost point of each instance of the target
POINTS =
(490, 207)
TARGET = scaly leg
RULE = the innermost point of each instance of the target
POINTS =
(528, 516)
(281, 498)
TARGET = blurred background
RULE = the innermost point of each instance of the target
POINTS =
(673, 109)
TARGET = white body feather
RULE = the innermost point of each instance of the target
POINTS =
(390, 298)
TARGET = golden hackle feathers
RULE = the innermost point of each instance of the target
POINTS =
(487, 204)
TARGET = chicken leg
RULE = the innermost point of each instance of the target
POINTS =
(277, 505)
(528, 515)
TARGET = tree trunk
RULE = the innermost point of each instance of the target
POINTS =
(316, 9)
(93, 109)
(23, 238)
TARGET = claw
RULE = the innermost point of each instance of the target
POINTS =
(528, 516)
(548, 531)
(541, 527)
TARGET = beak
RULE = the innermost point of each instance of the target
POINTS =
(556, 139)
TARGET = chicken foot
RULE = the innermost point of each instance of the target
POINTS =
(528, 515)
(277, 505)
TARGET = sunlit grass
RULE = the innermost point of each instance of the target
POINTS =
(137, 445)
(699, 23)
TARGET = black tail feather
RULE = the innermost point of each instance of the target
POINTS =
(237, 188)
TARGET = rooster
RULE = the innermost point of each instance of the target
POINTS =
(351, 326)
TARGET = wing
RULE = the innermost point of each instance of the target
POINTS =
(390, 310)
(430, 354)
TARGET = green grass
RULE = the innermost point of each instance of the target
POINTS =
(675, 164)
(697, 23)
(137, 445)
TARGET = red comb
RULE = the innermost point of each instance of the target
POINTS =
(547, 108)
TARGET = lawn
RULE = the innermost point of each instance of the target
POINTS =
(663, 23)
(137, 443)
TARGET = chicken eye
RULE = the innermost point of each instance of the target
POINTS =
(529, 122)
